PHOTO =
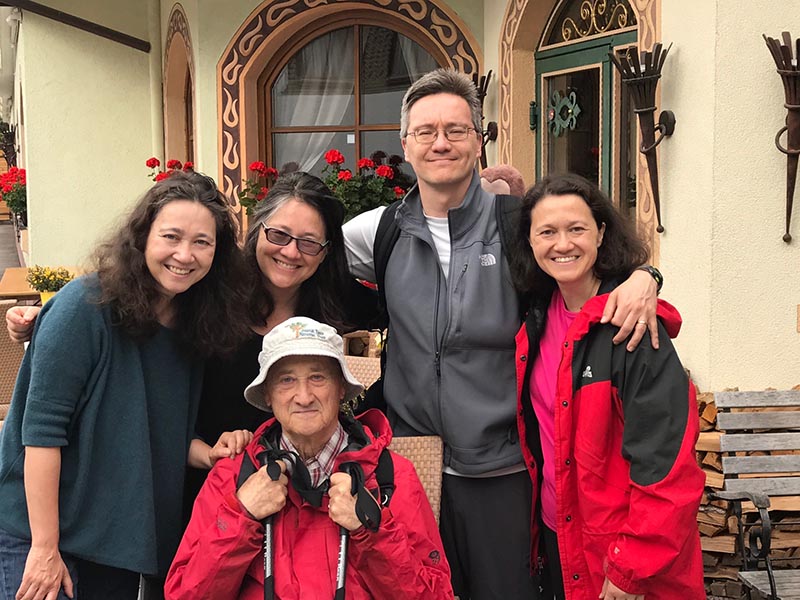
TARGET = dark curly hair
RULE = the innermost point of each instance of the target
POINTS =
(321, 294)
(620, 253)
(205, 314)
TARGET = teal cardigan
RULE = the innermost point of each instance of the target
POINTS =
(122, 411)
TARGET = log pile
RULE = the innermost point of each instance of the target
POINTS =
(717, 525)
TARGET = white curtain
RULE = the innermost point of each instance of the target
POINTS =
(325, 88)
(418, 61)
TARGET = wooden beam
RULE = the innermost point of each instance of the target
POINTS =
(82, 24)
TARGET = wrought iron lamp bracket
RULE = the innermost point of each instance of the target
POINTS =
(640, 74)
(785, 56)
(665, 127)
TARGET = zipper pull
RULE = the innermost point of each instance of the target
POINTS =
(436, 362)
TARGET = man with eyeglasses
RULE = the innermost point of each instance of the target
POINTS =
(453, 314)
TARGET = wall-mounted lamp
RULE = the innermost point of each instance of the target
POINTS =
(490, 133)
(790, 76)
(641, 76)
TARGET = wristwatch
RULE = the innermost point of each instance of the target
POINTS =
(655, 274)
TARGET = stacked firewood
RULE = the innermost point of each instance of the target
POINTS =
(715, 520)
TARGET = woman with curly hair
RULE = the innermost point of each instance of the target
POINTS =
(608, 435)
(93, 450)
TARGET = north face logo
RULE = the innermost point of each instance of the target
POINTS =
(487, 260)
(587, 372)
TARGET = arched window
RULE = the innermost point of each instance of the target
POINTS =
(339, 87)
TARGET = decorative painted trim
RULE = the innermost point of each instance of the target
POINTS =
(430, 18)
(514, 12)
(648, 14)
(179, 25)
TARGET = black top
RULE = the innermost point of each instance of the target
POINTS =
(223, 407)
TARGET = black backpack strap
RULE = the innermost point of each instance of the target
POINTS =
(246, 470)
(384, 473)
(385, 239)
(507, 212)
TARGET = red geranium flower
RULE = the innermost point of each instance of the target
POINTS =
(188, 166)
(365, 163)
(271, 173)
(174, 164)
(398, 191)
(153, 162)
(258, 167)
(162, 175)
(262, 194)
(384, 171)
(345, 175)
(334, 157)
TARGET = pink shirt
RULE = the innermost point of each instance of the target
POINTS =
(543, 395)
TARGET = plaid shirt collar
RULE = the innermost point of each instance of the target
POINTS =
(320, 467)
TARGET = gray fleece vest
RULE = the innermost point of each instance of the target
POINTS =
(450, 367)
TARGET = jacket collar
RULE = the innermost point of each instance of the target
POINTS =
(461, 218)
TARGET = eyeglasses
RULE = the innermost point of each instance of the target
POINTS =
(287, 383)
(453, 134)
(305, 245)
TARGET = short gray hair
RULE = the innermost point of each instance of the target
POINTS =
(442, 81)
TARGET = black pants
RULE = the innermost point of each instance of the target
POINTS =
(553, 565)
(485, 526)
(100, 582)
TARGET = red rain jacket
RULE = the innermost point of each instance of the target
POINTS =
(627, 482)
(220, 556)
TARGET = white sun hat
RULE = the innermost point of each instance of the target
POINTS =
(299, 336)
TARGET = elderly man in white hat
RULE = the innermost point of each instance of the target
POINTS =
(316, 503)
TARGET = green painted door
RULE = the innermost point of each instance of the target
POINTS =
(584, 118)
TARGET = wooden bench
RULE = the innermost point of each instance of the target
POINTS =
(753, 423)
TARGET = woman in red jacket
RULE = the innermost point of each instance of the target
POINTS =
(608, 434)
(394, 548)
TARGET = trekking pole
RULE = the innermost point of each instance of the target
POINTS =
(274, 472)
(342, 564)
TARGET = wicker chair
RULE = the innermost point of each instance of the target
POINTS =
(366, 369)
(425, 452)
(10, 358)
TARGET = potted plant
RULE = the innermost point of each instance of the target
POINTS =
(12, 190)
(373, 184)
(257, 185)
(48, 280)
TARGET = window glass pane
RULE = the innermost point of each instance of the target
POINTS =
(308, 149)
(387, 142)
(316, 85)
(390, 62)
(573, 123)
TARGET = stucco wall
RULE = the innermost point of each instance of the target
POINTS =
(87, 106)
(723, 187)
